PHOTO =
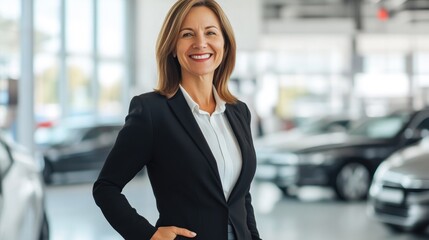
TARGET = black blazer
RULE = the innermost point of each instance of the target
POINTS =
(163, 135)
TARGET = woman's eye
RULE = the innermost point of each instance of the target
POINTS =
(211, 33)
(187, 35)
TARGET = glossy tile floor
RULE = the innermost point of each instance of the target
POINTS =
(315, 215)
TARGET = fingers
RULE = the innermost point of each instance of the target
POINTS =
(184, 232)
(164, 233)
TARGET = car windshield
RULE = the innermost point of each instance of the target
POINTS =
(322, 126)
(380, 127)
(55, 135)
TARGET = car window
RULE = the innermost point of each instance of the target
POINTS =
(381, 127)
(322, 126)
(5, 160)
(92, 134)
(55, 135)
(96, 132)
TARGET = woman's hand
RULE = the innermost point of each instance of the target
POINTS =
(170, 233)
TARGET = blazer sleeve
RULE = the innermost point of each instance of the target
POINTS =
(130, 153)
(251, 222)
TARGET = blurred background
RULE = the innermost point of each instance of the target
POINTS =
(338, 90)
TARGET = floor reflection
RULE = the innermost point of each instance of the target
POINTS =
(313, 214)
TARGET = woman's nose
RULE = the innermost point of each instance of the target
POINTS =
(200, 41)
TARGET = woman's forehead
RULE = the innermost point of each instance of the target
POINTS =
(201, 16)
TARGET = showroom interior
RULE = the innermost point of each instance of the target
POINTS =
(338, 91)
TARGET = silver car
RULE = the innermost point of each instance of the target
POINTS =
(22, 212)
(399, 194)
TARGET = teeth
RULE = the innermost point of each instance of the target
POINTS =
(204, 56)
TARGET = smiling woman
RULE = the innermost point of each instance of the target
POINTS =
(191, 134)
(199, 48)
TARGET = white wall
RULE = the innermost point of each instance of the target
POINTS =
(245, 17)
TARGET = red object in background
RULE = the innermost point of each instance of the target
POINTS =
(383, 14)
(46, 124)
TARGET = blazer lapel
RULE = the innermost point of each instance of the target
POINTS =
(181, 109)
(237, 127)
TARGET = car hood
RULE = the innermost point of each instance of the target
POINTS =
(414, 163)
(321, 142)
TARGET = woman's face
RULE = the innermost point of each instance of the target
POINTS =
(200, 46)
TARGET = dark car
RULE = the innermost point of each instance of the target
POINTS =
(22, 194)
(70, 148)
(399, 193)
(327, 124)
(343, 161)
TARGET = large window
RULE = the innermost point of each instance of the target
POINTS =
(298, 76)
(9, 38)
(80, 58)
(9, 60)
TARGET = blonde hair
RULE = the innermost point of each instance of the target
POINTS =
(169, 71)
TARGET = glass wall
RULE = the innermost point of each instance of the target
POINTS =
(80, 58)
(9, 60)
(295, 77)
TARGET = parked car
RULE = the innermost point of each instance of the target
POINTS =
(328, 124)
(22, 209)
(81, 147)
(399, 194)
(344, 161)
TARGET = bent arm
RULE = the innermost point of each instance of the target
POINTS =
(131, 152)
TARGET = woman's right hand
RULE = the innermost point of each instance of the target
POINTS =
(170, 233)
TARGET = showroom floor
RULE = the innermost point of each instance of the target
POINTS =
(73, 214)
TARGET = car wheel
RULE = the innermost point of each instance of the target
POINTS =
(285, 191)
(394, 228)
(352, 181)
(44, 230)
(419, 229)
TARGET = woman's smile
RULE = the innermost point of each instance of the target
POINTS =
(200, 57)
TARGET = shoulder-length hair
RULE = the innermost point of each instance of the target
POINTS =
(169, 71)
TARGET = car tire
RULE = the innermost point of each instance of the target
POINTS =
(394, 228)
(44, 230)
(285, 192)
(352, 181)
(419, 229)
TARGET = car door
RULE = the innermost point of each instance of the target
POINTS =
(1, 194)
(102, 139)
(5, 165)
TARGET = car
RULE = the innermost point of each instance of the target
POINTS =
(344, 161)
(75, 147)
(22, 194)
(399, 193)
(308, 127)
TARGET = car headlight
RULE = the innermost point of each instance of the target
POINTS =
(319, 158)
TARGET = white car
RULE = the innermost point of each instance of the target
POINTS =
(399, 194)
(22, 210)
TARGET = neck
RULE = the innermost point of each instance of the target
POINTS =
(201, 91)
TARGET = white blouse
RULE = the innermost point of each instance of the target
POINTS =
(221, 139)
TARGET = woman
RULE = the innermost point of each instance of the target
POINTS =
(192, 135)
